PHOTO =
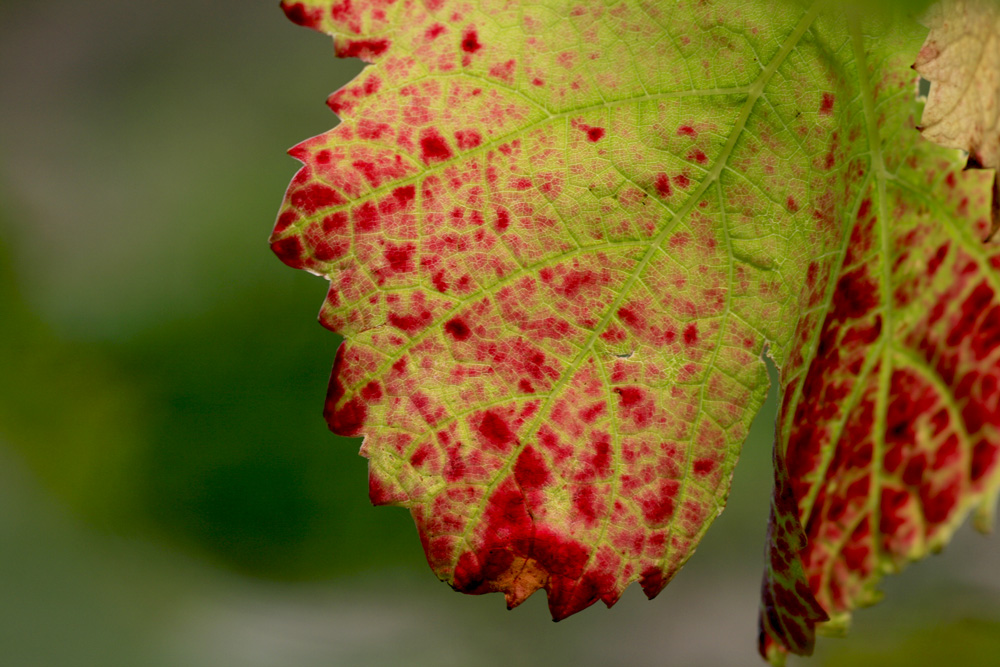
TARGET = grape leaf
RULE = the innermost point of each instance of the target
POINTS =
(887, 430)
(961, 57)
(558, 239)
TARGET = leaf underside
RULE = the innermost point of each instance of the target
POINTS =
(558, 238)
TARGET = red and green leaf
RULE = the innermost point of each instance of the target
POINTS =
(887, 434)
(558, 239)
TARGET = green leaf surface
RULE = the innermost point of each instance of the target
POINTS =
(559, 239)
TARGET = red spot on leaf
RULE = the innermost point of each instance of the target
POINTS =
(503, 220)
(347, 419)
(530, 470)
(504, 71)
(366, 217)
(468, 139)
(420, 455)
(365, 49)
(864, 209)
(496, 431)
(315, 196)
(457, 329)
(597, 464)
(652, 582)
(856, 295)
(686, 131)
(372, 392)
(289, 251)
(704, 466)
(298, 14)
(629, 396)
(411, 323)
(433, 147)
(285, 220)
(826, 105)
(400, 258)
(404, 195)
(984, 459)
(691, 334)
(470, 42)
(584, 498)
(657, 505)
(939, 503)
(662, 185)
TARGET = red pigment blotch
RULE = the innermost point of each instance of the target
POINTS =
(704, 466)
(658, 507)
(372, 392)
(470, 42)
(691, 334)
(682, 181)
(662, 185)
(467, 139)
(400, 258)
(410, 324)
(348, 419)
(285, 220)
(584, 499)
(866, 206)
(298, 14)
(503, 220)
(433, 147)
(630, 318)
(496, 431)
(856, 295)
(530, 470)
(363, 48)
(686, 131)
(289, 251)
(629, 396)
(366, 217)
(599, 465)
(404, 195)
(826, 106)
(434, 31)
(595, 134)
(420, 455)
(457, 329)
(698, 156)
(791, 204)
(504, 71)
(315, 196)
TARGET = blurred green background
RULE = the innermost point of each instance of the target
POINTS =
(169, 493)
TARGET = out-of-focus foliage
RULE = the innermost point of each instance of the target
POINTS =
(968, 641)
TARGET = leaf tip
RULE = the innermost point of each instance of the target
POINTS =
(299, 14)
